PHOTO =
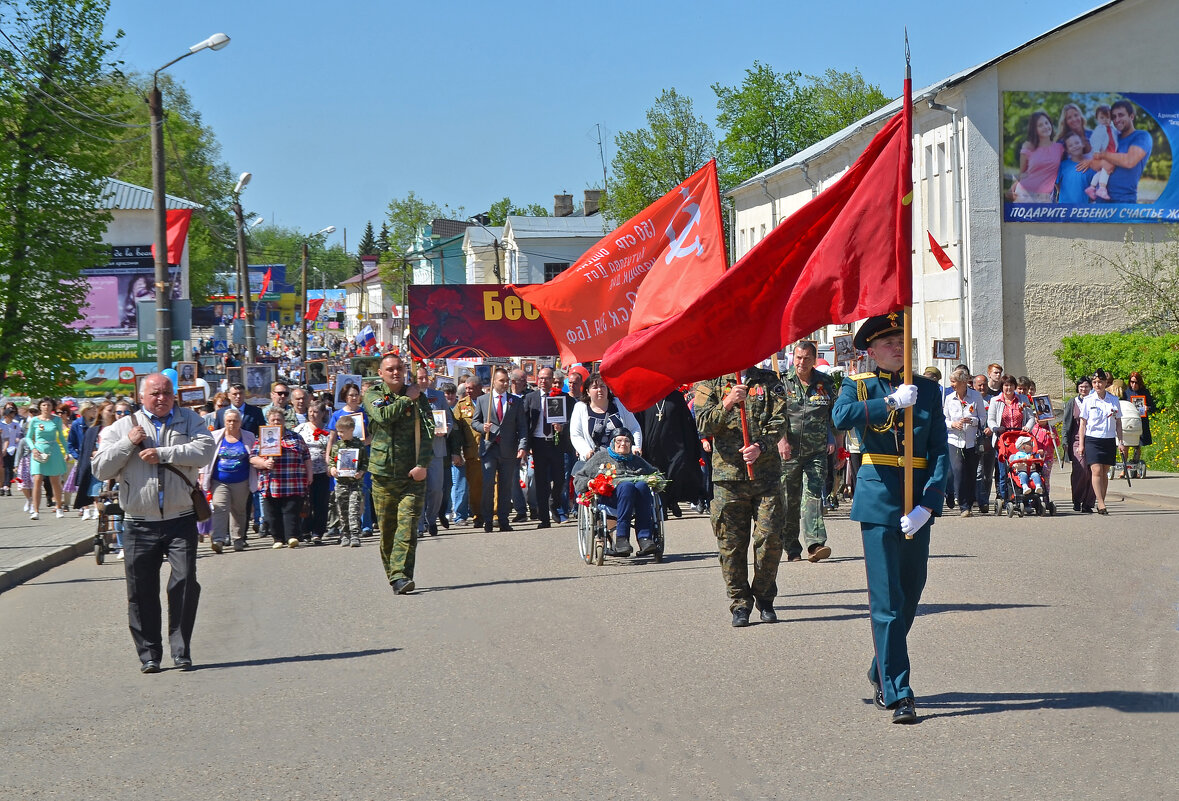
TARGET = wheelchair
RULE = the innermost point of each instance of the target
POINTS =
(595, 535)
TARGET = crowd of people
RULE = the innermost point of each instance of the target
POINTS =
(766, 452)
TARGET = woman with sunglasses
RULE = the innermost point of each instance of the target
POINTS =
(1101, 434)
(1137, 388)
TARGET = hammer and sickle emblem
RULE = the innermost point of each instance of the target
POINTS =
(677, 248)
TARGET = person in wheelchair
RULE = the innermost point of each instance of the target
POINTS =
(632, 502)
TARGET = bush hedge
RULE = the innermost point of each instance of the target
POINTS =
(1156, 357)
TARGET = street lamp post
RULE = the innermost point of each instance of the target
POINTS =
(155, 105)
(494, 244)
(302, 319)
(243, 268)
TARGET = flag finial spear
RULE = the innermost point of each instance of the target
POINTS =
(908, 70)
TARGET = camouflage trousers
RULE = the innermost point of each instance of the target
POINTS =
(348, 503)
(802, 490)
(398, 504)
(742, 510)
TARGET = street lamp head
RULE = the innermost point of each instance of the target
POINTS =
(214, 42)
(254, 223)
(242, 180)
(331, 229)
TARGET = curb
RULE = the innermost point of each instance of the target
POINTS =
(1157, 501)
(35, 567)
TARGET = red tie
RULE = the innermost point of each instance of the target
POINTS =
(1111, 147)
(499, 408)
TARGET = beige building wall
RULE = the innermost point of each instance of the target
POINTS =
(1017, 288)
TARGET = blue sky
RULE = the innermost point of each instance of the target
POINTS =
(336, 108)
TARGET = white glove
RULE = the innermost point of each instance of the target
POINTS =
(905, 395)
(912, 522)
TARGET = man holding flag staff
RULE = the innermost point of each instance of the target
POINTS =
(895, 529)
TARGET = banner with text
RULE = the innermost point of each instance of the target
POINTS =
(1089, 157)
(649, 269)
(465, 321)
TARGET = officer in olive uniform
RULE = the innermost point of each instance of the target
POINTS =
(738, 501)
(809, 396)
(464, 412)
(402, 427)
(895, 529)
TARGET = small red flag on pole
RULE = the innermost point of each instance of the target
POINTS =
(939, 254)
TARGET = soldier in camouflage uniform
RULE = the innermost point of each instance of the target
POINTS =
(738, 501)
(810, 394)
(402, 428)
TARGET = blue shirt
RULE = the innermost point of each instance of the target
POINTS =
(233, 462)
(1072, 183)
(1123, 183)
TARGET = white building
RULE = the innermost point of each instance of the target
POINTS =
(366, 302)
(1018, 287)
(536, 249)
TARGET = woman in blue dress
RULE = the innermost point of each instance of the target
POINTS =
(47, 441)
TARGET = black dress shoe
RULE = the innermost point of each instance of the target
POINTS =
(1088, 510)
(520, 519)
(740, 618)
(647, 546)
(402, 586)
(150, 666)
(674, 508)
(877, 693)
(488, 528)
(445, 521)
(506, 527)
(622, 548)
(903, 711)
(544, 524)
(768, 615)
(183, 663)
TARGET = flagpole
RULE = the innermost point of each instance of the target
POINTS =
(910, 497)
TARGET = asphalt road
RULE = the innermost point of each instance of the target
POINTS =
(1046, 664)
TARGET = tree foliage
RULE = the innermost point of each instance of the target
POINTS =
(193, 169)
(773, 115)
(649, 162)
(1148, 269)
(502, 208)
(368, 242)
(270, 244)
(58, 108)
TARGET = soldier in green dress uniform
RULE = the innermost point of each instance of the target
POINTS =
(809, 396)
(895, 529)
(402, 446)
(740, 502)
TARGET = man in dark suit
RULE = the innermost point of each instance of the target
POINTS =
(519, 387)
(499, 417)
(251, 415)
(544, 438)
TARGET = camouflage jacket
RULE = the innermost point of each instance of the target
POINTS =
(809, 409)
(765, 409)
(393, 421)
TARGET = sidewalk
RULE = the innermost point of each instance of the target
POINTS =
(30, 547)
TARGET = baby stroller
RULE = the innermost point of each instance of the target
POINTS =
(1018, 501)
(1132, 437)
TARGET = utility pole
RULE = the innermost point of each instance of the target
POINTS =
(301, 318)
(243, 281)
(163, 283)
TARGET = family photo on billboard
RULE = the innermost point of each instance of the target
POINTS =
(1088, 157)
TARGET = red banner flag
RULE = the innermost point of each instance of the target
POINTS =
(650, 268)
(844, 256)
(940, 255)
(265, 283)
(313, 307)
(177, 233)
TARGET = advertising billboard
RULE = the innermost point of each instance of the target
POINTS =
(1097, 157)
(114, 289)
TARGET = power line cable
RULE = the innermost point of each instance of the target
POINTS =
(67, 106)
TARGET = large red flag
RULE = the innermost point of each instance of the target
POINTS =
(652, 267)
(177, 233)
(265, 283)
(313, 307)
(844, 256)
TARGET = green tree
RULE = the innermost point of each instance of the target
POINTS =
(368, 242)
(771, 115)
(405, 218)
(270, 244)
(383, 244)
(503, 207)
(193, 169)
(1147, 267)
(59, 110)
(649, 161)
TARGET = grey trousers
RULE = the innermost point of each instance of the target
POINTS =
(231, 508)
